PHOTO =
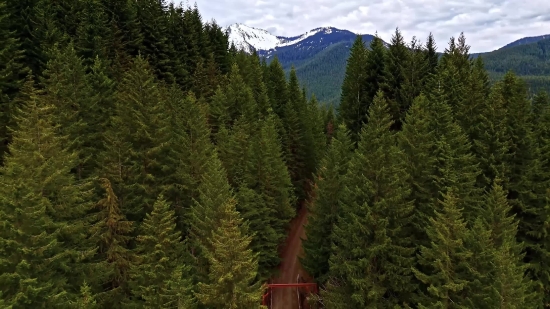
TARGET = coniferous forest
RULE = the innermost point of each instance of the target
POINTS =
(146, 163)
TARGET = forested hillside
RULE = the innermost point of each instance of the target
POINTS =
(144, 163)
(323, 72)
(530, 61)
(434, 190)
(147, 164)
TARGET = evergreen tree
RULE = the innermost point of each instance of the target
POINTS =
(98, 112)
(266, 195)
(528, 181)
(510, 284)
(417, 140)
(112, 232)
(156, 48)
(189, 151)
(374, 69)
(394, 78)
(354, 99)
(324, 210)
(477, 87)
(375, 219)
(296, 141)
(232, 277)
(232, 101)
(136, 139)
(431, 56)
(277, 87)
(42, 206)
(491, 142)
(93, 32)
(214, 191)
(67, 89)
(126, 35)
(12, 73)
(87, 299)
(455, 164)
(414, 70)
(158, 255)
(446, 258)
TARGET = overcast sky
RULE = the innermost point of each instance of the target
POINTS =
(487, 24)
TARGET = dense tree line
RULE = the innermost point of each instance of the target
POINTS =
(433, 192)
(145, 163)
(324, 71)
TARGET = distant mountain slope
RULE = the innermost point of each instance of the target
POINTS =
(320, 57)
(526, 40)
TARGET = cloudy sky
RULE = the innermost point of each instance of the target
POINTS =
(487, 24)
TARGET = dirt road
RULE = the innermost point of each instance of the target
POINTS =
(290, 266)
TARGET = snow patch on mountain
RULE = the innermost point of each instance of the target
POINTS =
(249, 38)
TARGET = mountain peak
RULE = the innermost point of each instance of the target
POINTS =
(249, 38)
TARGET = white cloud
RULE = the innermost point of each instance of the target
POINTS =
(487, 24)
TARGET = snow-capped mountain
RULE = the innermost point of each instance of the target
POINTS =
(250, 38)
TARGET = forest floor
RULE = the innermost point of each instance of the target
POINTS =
(290, 268)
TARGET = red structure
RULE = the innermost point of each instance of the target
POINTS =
(308, 287)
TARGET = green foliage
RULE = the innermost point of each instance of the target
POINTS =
(214, 192)
(112, 232)
(354, 106)
(446, 258)
(203, 153)
(158, 260)
(269, 207)
(135, 140)
(43, 209)
(374, 219)
(394, 77)
(232, 278)
(324, 208)
(12, 73)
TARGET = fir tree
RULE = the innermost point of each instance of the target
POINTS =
(232, 276)
(324, 207)
(269, 208)
(158, 256)
(394, 78)
(528, 181)
(491, 142)
(477, 87)
(214, 191)
(189, 151)
(354, 100)
(446, 258)
(414, 70)
(375, 219)
(277, 87)
(93, 32)
(513, 289)
(42, 206)
(137, 137)
(417, 140)
(374, 69)
(112, 232)
(87, 299)
(431, 56)
(298, 140)
(67, 89)
(157, 49)
(12, 73)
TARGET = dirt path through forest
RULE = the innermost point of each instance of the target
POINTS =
(290, 267)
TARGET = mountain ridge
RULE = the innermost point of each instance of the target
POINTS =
(319, 57)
